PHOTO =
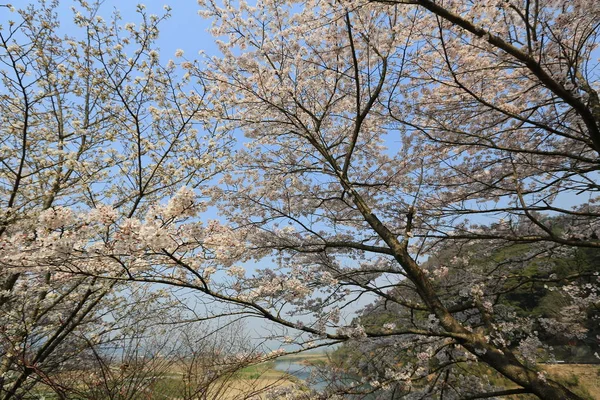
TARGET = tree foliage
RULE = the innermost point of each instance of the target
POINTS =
(88, 120)
(530, 302)
(376, 135)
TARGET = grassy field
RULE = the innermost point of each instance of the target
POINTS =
(307, 358)
(251, 380)
(584, 379)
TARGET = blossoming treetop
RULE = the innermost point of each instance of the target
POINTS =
(375, 135)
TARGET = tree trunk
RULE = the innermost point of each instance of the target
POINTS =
(503, 361)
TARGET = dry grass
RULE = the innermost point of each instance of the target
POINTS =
(583, 378)
(252, 381)
(243, 388)
(306, 358)
(269, 378)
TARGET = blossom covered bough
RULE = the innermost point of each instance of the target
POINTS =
(87, 119)
(380, 131)
(376, 136)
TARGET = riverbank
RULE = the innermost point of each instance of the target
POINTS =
(306, 358)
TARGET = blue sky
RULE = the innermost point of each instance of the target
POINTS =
(185, 29)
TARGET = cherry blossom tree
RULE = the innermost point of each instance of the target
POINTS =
(377, 132)
(88, 120)
(375, 135)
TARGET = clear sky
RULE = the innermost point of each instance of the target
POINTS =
(185, 29)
